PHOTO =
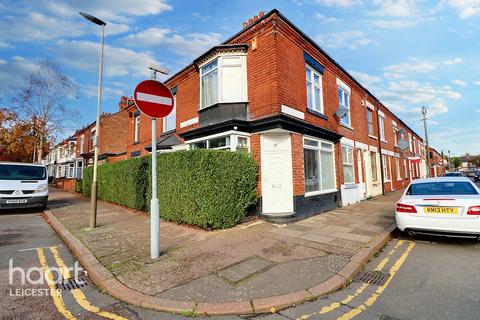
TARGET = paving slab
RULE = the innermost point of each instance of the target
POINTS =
(273, 265)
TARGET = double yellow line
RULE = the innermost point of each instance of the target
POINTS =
(77, 293)
(354, 312)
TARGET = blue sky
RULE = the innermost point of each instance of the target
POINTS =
(408, 53)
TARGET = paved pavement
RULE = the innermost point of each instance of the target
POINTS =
(253, 260)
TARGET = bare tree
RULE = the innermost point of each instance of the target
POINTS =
(41, 100)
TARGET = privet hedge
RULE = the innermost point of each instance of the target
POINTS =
(122, 182)
(207, 188)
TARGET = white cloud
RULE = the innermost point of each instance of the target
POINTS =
(409, 96)
(339, 3)
(351, 39)
(459, 82)
(37, 26)
(477, 83)
(82, 55)
(107, 91)
(453, 61)
(325, 19)
(477, 111)
(393, 23)
(408, 67)
(396, 8)
(189, 44)
(365, 78)
(465, 8)
(119, 10)
(13, 71)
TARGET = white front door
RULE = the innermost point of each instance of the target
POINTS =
(360, 170)
(276, 171)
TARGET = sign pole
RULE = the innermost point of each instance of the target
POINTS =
(155, 100)
(154, 203)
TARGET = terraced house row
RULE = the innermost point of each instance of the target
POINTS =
(320, 138)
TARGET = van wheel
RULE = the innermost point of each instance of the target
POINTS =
(43, 207)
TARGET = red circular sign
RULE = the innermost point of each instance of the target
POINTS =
(153, 98)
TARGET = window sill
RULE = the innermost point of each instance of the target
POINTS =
(373, 137)
(136, 142)
(317, 113)
(316, 193)
(350, 185)
(346, 126)
(384, 141)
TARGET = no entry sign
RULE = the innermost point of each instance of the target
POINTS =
(153, 98)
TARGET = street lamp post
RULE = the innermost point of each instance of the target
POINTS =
(93, 198)
(424, 112)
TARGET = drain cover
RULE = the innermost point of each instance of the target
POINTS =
(370, 277)
(71, 284)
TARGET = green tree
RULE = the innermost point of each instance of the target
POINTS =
(456, 162)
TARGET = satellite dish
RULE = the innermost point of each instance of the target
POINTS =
(403, 145)
(341, 111)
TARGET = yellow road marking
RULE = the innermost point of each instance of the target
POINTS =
(78, 294)
(56, 296)
(373, 298)
(359, 291)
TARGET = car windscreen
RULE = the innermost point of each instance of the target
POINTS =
(441, 188)
(22, 172)
(453, 174)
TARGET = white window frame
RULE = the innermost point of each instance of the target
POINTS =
(395, 132)
(82, 142)
(405, 169)
(234, 135)
(397, 166)
(381, 126)
(345, 90)
(70, 170)
(319, 149)
(136, 136)
(386, 168)
(165, 119)
(349, 163)
(311, 81)
(410, 142)
(372, 164)
(220, 66)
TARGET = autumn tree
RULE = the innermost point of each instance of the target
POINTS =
(41, 101)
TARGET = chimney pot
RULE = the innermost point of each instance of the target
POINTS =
(261, 14)
(255, 18)
(250, 22)
(244, 24)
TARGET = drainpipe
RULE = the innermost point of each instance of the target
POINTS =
(380, 147)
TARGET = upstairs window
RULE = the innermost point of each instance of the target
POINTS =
(82, 141)
(381, 125)
(223, 80)
(137, 129)
(314, 89)
(170, 120)
(344, 102)
(370, 122)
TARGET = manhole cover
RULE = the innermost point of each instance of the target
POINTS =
(370, 277)
(71, 284)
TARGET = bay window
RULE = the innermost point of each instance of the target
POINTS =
(319, 168)
(223, 80)
(314, 89)
(226, 141)
(348, 171)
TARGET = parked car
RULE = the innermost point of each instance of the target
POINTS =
(453, 174)
(477, 176)
(23, 185)
(448, 206)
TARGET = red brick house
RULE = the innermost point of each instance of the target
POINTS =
(320, 138)
(437, 163)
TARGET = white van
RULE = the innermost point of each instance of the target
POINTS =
(23, 185)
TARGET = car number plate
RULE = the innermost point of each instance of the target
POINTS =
(17, 201)
(440, 210)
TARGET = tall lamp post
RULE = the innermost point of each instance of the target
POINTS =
(424, 112)
(93, 197)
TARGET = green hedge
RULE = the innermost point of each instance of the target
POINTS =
(120, 182)
(207, 188)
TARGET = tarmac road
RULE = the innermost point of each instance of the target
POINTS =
(429, 278)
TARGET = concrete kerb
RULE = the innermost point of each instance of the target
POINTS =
(106, 281)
